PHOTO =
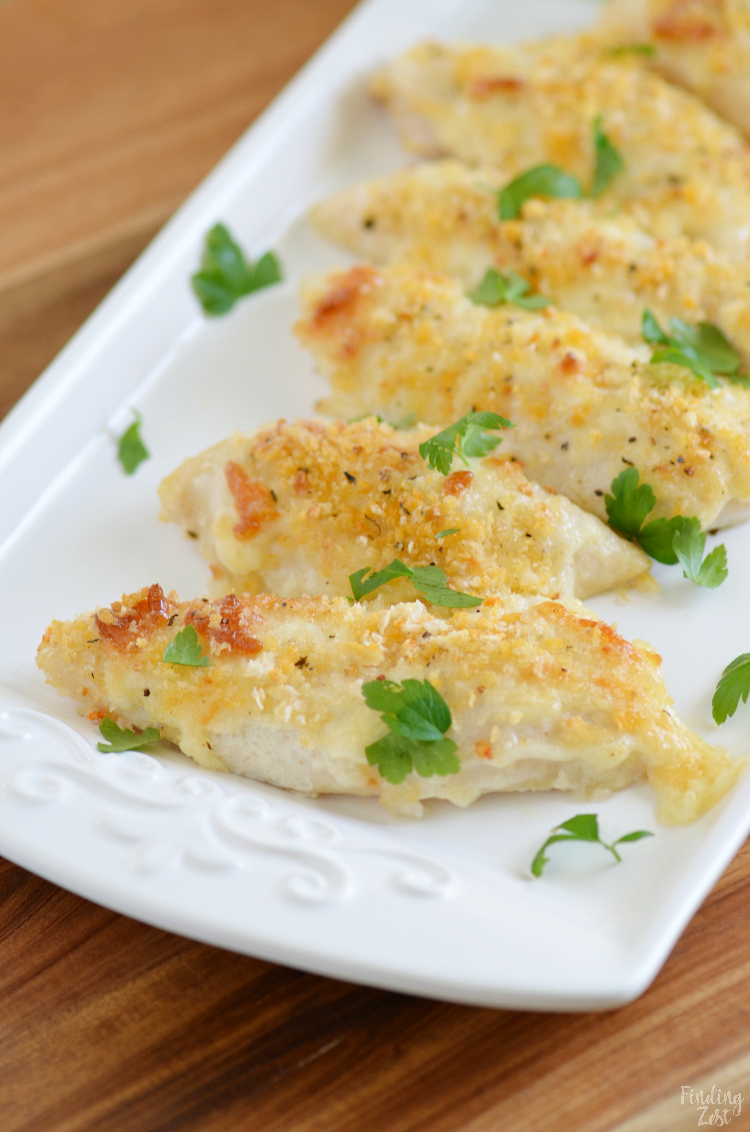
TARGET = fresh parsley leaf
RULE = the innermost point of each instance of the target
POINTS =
(629, 504)
(417, 717)
(646, 49)
(464, 438)
(583, 827)
(395, 757)
(667, 540)
(657, 539)
(609, 161)
(689, 544)
(541, 181)
(450, 531)
(123, 740)
(131, 450)
(703, 349)
(733, 686)
(687, 358)
(651, 330)
(430, 581)
(186, 649)
(226, 276)
(405, 423)
(361, 588)
(496, 289)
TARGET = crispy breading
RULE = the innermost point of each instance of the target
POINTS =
(686, 171)
(348, 496)
(443, 216)
(703, 45)
(401, 340)
(542, 696)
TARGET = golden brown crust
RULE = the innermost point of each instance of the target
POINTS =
(350, 496)
(442, 216)
(686, 172)
(541, 695)
(585, 406)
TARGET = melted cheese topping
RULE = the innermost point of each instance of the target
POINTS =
(686, 172)
(350, 496)
(442, 216)
(585, 406)
(542, 695)
(703, 45)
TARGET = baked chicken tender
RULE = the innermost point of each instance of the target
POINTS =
(686, 172)
(542, 696)
(297, 508)
(703, 45)
(400, 340)
(443, 216)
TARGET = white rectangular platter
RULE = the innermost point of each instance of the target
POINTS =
(443, 907)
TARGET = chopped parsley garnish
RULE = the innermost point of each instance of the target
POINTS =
(667, 540)
(583, 827)
(549, 181)
(541, 181)
(703, 349)
(646, 49)
(733, 686)
(512, 288)
(430, 581)
(450, 531)
(405, 423)
(417, 717)
(689, 544)
(464, 438)
(186, 649)
(226, 276)
(131, 451)
(609, 161)
(120, 739)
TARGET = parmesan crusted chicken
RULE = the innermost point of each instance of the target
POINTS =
(542, 696)
(703, 45)
(297, 508)
(402, 340)
(685, 171)
(443, 216)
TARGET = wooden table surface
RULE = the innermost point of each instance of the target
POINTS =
(112, 111)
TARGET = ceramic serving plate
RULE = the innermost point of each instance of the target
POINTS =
(443, 907)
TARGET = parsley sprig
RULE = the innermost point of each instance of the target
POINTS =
(583, 827)
(541, 181)
(120, 739)
(550, 181)
(667, 540)
(186, 649)
(646, 49)
(417, 717)
(464, 438)
(702, 349)
(226, 276)
(609, 161)
(733, 686)
(496, 289)
(131, 451)
(430, 581)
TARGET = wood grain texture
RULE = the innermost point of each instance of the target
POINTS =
(113, 111)
(111, 1026)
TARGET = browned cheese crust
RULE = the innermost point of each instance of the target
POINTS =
(403, 340)
(443, 216)
(542, 695)
(298, 507)
(686, 172)
(703, 45)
